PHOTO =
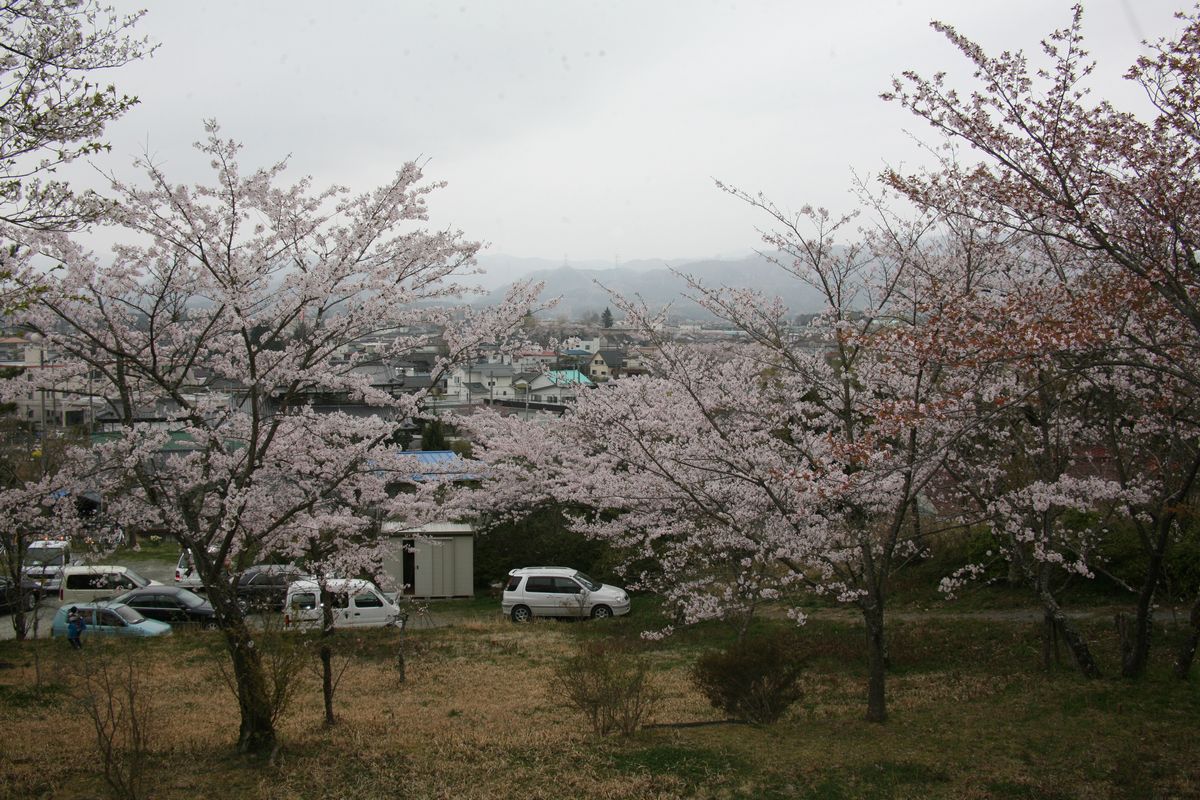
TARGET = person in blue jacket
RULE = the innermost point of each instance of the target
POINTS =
(75, 627)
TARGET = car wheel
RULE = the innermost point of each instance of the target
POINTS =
(243, 605)
(210, 625)
(30, 602)
(601, 612)
(521, 614)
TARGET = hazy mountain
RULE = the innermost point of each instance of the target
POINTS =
(576, 284)
(502, 270)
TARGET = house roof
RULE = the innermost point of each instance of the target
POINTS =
(612, 356)
(567, 377)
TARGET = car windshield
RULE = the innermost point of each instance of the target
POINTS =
(592, 585)
(190, 599)
(128, 614)
(44, 555)
(137, 579)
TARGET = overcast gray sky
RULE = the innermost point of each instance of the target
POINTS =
(577, 129)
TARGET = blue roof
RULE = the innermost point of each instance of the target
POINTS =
(441, 465)
(568, 377)
(433, 456)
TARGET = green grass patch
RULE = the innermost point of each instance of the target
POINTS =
(691, 765)
(164, 549)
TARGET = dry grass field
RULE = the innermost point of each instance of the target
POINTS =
(972, 717)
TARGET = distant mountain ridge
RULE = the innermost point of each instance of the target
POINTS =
(576, 284)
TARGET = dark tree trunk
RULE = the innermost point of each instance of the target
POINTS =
(1080, 652)
(257, 736)
(1135, 639)
(326, 653)
(327, 682)
(20, 622)
(876, 663)
(257, 731)
(1187, 652)
(1050, 651)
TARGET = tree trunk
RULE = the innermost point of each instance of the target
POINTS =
(1050, 652)
(327, 682)
(1135, 639)
(876, 664)
(1187, 652)
(1071, 635)
(257, 732)
(401, 666)
(19, 622)
(327, 655)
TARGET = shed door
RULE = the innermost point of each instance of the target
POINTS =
(442, 550)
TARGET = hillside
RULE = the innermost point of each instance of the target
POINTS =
(585, 288)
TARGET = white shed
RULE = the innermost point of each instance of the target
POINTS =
(434, 560)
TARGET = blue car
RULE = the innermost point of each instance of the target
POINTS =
(109, 619)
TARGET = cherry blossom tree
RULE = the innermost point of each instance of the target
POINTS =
(795, 461)
(1029, 477)
(1119, 189)
(54, 110)
(1151, 439)
(226, 311)
(55, 106)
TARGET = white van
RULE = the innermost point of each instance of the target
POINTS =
(85, 583)
(44, 562)
(356, 603)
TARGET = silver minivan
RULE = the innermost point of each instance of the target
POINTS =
(560, 592)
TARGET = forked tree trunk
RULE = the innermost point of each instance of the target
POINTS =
(1187, 651)
(1080, 652)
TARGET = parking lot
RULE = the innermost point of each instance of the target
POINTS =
(159, 570)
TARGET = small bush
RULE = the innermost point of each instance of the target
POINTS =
(610, 685)
(753, 680)
(117, 701)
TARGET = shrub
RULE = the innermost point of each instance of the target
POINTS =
(610, 685)
(117, 701)
(753, 680)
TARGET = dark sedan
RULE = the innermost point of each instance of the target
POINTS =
(10, 598)
(170, 604)
(263, 587)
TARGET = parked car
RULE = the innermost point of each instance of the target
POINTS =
(109, 619)
(170, 604)
(84, 583)
(264, 587)
(356, 604)
(28, 596)
(44, 562)
(560, 592)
